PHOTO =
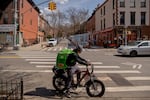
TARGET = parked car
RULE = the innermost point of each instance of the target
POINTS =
(135, 48)
(52, 42)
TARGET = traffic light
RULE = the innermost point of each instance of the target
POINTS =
(52, 6)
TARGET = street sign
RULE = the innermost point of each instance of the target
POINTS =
(7, 27)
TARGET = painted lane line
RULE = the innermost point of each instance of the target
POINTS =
(128, 89)
(96, 63)
(41, 59)
(42, 62)
(137, 78)
(128, 63)
(118, 71)
(49, 71)
(47, 66)
(138, 66)
(37, 62)
(145, 78)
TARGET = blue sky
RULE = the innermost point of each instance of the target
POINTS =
(63, 5)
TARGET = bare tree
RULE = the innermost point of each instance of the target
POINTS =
(57, 20)
(77, 17)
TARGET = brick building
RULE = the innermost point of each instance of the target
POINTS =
(120, 21)
(26, 19)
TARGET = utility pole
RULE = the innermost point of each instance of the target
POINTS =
(126, 35)
(15, 25)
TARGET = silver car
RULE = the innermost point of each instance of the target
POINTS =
(135, 48)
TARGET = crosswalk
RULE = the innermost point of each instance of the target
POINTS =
(44, 63)
(59, 48)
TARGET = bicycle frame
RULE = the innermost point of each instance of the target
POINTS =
(85, 73)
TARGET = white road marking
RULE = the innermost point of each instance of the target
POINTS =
(127, 88)
(118, 71)
(96, 63)
(47, 66)
(103, 71)
(37, 62)
(128, 63)
(138, 78)
(31, 57)
(138, 66)
(143, 78)
(42, 62)
(41, 59)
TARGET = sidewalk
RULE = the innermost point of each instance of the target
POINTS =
(33, 47)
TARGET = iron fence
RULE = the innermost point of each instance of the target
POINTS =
(11, 90)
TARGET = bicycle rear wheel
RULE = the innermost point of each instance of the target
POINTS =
(59, 83)
(95, 88)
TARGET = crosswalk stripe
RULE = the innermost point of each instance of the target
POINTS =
(37, 62)
(103, 71)
(118, 71)
(44, 66)
(41, 59)
(138, 78)
(50, 71)
(32, 57)
(42, 62)
(60, 48)
(127, 88)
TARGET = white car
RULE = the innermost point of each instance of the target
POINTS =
(135, 48)
(52, 42)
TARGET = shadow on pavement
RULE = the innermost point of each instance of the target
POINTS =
(51, 94)
(44, 92)
(132, 57)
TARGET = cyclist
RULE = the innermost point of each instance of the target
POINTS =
(71, 61)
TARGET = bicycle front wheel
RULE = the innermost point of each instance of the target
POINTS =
(95, 88)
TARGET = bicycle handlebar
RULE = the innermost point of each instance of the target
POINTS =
(92, 67)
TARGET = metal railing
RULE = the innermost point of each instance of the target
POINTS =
(11, 90)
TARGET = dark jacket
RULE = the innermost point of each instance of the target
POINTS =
(73, 58)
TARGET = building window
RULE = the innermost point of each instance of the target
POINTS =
(104, 10)
(143, 3)
(21, 18)
(132, 3)
(22, 4)
(113, 19)
(113, 4)
(143, 18)
(30, 22)
(101, 12)
(104, 23)
(122, 18)
(132, 18)
(122, 3)
(101, 25)
(5, 19)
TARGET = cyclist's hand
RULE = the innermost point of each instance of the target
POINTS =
(89, 63)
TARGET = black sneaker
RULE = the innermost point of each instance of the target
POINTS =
(67, 94)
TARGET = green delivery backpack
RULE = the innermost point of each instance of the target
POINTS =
(62, 57)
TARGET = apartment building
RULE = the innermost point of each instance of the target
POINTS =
(26, 18)
(44, 29)
(120, 21)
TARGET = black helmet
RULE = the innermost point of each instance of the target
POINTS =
(77, 49)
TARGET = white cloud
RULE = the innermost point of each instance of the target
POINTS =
(62, 1)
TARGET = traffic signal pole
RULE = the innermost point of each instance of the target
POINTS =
(15, 26)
